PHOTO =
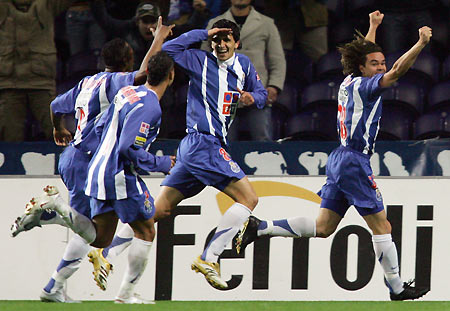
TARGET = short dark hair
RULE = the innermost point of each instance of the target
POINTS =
(116, 53)
(158, 68)
(225, 23)
(354, 54)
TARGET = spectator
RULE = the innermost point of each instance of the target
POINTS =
(83, 32)
(261, 43)
(402, 18)
(28, 64)
(303, 23)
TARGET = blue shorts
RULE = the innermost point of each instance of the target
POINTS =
(349, 182)
(202, 161)
(128, 210)
(72, 167)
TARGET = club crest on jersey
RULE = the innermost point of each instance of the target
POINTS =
(140, 141)
(144, 129)
(234, 167)
(378, 194)
(148, 205)
(224, 154)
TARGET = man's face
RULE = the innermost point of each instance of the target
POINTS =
(375, 63)
(144, 24)
(242, 4)
(224, 46)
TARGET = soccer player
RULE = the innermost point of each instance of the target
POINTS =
(90, 98)
(350, 180)
(116, 190)
(219, 81)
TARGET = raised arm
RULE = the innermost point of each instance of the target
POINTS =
(159, 35)
(178, 48)
(375, 19)
(405, 61)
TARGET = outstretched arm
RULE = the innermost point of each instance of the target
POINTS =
(159, 35)
(375, 19)
(405, 61)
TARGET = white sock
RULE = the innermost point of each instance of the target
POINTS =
(293, 227)
(386, 253)
(121, 241)
(137, 261)
(75, 251)
(79, 223)
(229, 225)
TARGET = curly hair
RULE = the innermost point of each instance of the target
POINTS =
(116, 53)
(158, 68)
(354, 54)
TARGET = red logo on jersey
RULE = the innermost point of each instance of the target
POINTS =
(224, 154)
(145, 128)
(226, 109)
(227, 97)
(372, 181)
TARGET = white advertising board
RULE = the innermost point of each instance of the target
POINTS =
(341, 267)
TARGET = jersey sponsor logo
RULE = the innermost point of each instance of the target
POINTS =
(80, 118)
(224, 154)
(234, 167)
(230, 100)
(145, 128)
(140, 141)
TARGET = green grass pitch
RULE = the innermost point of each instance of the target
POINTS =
(17, 305)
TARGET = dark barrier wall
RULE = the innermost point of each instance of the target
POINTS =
(405, 158)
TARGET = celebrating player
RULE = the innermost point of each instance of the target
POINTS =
(219, 81)
(350, 180)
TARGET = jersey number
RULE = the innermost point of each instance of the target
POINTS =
(342, 128)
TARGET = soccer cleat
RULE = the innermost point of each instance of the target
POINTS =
(409, 292)
(30, 219)
(211, 271)
(102, 267)
(135, 299)
(58, 296)
(248, 233)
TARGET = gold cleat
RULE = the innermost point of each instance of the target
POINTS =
(102, 267)
(211, 271)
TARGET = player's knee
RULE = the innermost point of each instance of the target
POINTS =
(101, 242)
(251, 201)
(324, 231)
(162, 210)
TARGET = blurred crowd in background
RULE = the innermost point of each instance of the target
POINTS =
(47, 46)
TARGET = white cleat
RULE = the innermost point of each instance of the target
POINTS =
(211, 271)
(102, 267)
(58, 296)
(30, 219)
(134, 299)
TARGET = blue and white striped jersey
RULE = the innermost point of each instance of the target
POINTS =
(213, 96)
(359, 112)
(88, 100)
(126, 129)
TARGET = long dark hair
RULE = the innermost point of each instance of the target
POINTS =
(354, 54)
